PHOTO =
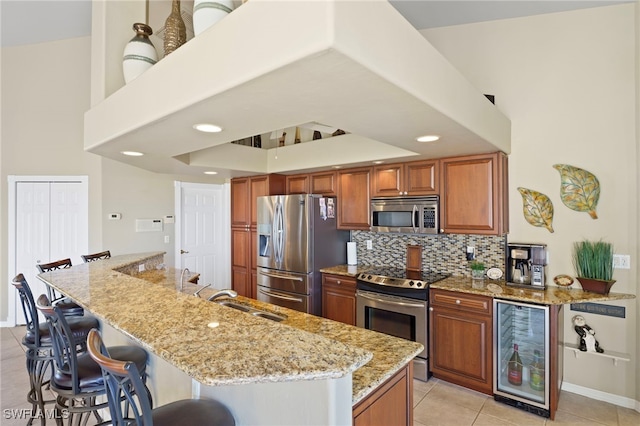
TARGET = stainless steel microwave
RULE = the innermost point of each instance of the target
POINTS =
(411, 215)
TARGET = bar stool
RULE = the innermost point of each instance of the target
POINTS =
(86, 258)
(37, 340)
(68, 306)
(77, 379)
(123, 378)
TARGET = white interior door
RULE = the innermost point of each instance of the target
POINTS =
(32, 232)
(203, 224)
(48, 221)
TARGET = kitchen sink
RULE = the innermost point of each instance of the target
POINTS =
(233, 305)
(268, 315)
(255, 312)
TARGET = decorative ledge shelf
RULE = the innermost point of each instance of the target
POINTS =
(615, 356)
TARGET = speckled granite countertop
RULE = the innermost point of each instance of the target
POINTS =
(500, 290)
(152, 309)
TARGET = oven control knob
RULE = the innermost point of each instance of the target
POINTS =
(369, 277)
(411, 283)
(419, 284)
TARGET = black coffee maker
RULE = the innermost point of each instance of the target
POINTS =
(526, 265)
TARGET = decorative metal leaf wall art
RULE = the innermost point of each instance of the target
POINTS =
(537, 208)
(579, 190)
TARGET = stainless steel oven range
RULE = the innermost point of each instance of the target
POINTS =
(396, 301)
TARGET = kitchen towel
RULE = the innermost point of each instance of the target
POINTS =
(352, 257)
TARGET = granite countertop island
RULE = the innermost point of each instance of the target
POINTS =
(218, 345)
(499, 289)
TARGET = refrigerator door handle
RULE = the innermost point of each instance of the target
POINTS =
(280, 296)
(285, 277)
(277, 232)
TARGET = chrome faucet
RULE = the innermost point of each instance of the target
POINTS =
(225, 292)
(185, 270)
(197, 293)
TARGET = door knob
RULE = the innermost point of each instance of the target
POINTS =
(183, 251)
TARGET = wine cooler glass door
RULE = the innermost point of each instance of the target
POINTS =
(521, 352)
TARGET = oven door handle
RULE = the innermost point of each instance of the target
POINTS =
(280, 296)
(284, 277)
(413, 217)
(392, 302)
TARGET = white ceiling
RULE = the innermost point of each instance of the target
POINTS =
(37, 21)
(383, 109)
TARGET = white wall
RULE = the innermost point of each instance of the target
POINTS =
(45, 92)
(568, 83)
(44, 96)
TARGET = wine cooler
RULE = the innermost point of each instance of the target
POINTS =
(521, 353)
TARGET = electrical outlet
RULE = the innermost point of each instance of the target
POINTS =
(141, 267)
(369, 245)
(471, 253)
(622, 261)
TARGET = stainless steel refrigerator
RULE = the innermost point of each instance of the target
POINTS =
(296, 237)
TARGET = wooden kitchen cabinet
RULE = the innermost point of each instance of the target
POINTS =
(461, 339)
(339, 298)
(322, 183)
(354, 200)
(474, 194)
(298, 184)
(244, 215)
(390, 404)
(406, 179)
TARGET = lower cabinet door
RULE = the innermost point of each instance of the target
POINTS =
(461, 348)
(339, 299)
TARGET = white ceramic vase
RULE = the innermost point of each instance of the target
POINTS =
(139, 54)
(207, 12)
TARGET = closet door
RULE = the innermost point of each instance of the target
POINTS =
(32, 235)
(51, 224)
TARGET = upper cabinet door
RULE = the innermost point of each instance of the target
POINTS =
(240, 202)
(324, 183)
(298, 184)
(422, 178)
(474, 194)
(413, 179)
(388, 180)
(354, 202)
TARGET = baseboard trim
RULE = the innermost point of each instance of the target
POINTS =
(621, 401)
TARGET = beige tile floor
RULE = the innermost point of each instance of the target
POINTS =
(435, 402)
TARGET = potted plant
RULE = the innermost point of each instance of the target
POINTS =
(593, 263)
(477, 269)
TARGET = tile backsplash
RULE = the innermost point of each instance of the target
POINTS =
(444, 253)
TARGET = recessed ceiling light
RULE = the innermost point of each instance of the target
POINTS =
(132, 153)
(378, 162)
(207, 128)
(336, 167)
(214, 324)
(428, 138)
(210, 173)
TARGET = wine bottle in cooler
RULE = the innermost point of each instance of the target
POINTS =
(536, 372)
(514, 371)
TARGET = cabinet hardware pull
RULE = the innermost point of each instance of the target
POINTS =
(457, 301)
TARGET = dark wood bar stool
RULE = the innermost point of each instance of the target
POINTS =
(123, 379)
(77, 379)
(68, 306)
(86, 258)
(37, 340)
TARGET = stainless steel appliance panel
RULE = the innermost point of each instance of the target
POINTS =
(414, 215)
(397, 316)
(526, 326)
(297, 233)
(285, 281)
(295, 301)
